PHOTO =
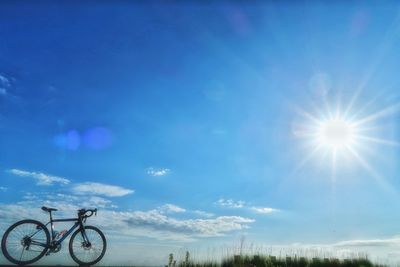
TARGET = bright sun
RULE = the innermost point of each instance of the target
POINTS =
(336, 133)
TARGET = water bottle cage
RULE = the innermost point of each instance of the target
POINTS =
(58, 235)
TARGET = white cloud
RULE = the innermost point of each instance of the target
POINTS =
(4, 81)
(239, 204)
(65, 202)
(98, 202)
(126, 226)
(160, 223)
(263, 210)
(3, 189)
(170, 208)
(157, 225)
(150, 224)
(5, 84)
(203, 213)
(157, 172)
(101, 189)
(230, 203)
(89, 188)
(11, 212)
(395, 241)
(41, 178)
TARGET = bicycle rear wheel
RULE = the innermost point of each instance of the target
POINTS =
(87, 253)
(25, 242)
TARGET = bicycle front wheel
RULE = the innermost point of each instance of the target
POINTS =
(87, 252)
(25, 242)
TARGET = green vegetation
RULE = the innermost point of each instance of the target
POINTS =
(271, 261)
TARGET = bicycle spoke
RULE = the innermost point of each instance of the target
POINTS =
(18, 233)
(20, 246)
(91, 253)
(22, 252)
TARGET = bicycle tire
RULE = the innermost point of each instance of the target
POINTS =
(5, 249)
(75, 235)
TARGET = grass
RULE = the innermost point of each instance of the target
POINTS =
(272, 261)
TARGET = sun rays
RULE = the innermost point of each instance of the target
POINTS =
(334, 133)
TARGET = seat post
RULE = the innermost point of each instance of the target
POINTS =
(51, 225)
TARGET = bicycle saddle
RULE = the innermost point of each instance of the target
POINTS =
(48, 209)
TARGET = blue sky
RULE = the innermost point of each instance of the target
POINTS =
(202, 116)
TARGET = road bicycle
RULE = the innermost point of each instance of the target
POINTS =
(27, 241)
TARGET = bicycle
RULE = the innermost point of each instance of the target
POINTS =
(27, 241)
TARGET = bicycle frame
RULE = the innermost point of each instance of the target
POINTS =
(39, 239)
(53, 242)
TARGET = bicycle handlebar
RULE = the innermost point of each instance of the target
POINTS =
(82, 212)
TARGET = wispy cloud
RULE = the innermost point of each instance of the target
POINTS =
(3, 189)
(157, 171)
(202, 213)
(152, 223)
(395, 241)
(41, 178)
(4, 84)
(263, 210)
(170, 208)
(4, 81)
(65, 202)
(89, 188)
(240, 204)
(101, 189)
(98, 202)
(184, 229)
(230, 203)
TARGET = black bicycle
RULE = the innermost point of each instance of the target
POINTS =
(27, 241)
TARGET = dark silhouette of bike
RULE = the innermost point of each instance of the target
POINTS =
(27, 241)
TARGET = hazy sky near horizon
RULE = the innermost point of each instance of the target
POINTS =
(193, 124)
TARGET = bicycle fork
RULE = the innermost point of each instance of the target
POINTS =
(86, 243)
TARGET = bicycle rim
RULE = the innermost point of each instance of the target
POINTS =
(19, 242)
(84, 253)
